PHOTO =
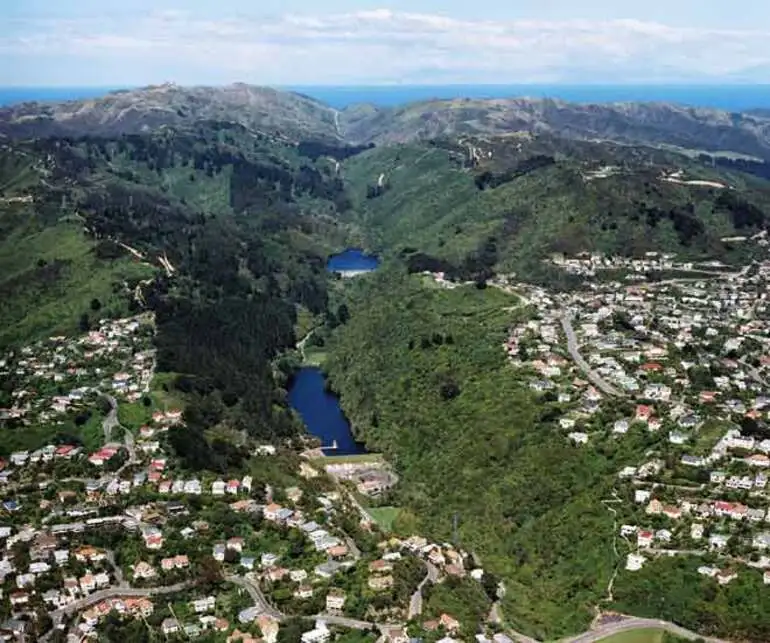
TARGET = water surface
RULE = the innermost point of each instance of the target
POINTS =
(352, 260)
(321, 412)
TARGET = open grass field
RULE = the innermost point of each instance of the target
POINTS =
(314, 356)
(356, 458)
(385, 516)
(49, 277)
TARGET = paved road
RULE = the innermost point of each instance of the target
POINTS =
(252, 587)
(117, 592)
(415, 603)
(677, 552)
(753, 372)
(118, 571)
(344, 621)
(111, 421)
(572, 347)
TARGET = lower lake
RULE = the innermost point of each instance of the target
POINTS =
(322, 413)
(352, 261)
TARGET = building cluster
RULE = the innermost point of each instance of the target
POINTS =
(61, 375)
(371, 478)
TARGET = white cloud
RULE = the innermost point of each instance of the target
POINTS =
(383, 45)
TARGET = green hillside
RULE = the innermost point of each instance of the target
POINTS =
(50, 271)
(244, 220)
(534, 198)
(422, 378)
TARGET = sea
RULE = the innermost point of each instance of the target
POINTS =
(733, 98)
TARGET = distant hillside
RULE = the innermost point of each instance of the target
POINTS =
(300, 117)
(135, 111)
(628, 123)
(507, 203)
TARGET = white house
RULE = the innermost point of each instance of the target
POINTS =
(319, 634)
(634, 562)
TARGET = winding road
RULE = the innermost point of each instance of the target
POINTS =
(116, 592)
(638, 624)
(111, 421)
(415, 602)
(252, 587)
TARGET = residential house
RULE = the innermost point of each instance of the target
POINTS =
(641, 496)
(303, 592)
(726, 576)
(319, 634)
(268, 560)
(761, 540)
(144, 570)
(718, 541)
(169, 626)
(717, 477)
(620, 426)
(206, 604)
(696, 531)
(335, 600)
(644, 538)
(449, 623)
(634, 562)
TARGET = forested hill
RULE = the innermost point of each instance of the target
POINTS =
(245, 222)
(477, 205)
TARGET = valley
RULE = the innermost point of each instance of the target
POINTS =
(543, 326)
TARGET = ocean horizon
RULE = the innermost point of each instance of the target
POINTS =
(732, 98)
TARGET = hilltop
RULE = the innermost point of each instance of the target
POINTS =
(629, 123)
(146, 109)
(296, 115)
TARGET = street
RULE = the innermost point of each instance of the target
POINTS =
(415, 603)
(572, 347)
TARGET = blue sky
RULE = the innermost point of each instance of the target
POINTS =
(293, 42)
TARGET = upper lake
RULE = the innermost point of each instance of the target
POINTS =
(352, 261)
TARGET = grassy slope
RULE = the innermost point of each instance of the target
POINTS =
(673, 590)
(49, 273)
(527, 502)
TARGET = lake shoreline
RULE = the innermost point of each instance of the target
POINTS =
(312, 396)
(310, 392)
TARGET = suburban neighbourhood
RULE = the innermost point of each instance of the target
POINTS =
(102, 528)
(681, 364)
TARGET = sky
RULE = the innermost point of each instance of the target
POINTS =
(358, 42)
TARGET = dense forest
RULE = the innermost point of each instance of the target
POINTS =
(534, 196)
(422, 377)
